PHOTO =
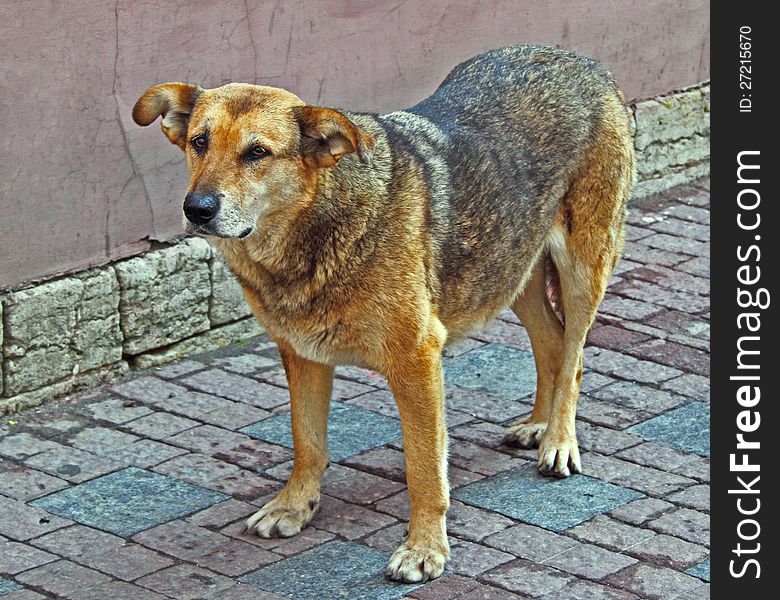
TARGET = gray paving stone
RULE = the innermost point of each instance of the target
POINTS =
(357, 487)
(127, 562)
(128, 501)
(16, 557)
(669, 551)
(178, 368)
(222, 514)
(653, 482)
(333, 570)
(611, 533)
(180, 539)
(160, 425)
(114, 589)
(479, 459)
(23, 483)
(530, 542)
(23, 445)
(590, 562)
(587, 590)
(22, 522)
(702, 570)
(494, 369)
(627, 367)
(603, 440)
(348, 520)
(207, 439)
(217, 475)
(62, 577)
(244, 591)
(24, 594)
(608, 414)
(72, 464)
(234, 415)
(147, 453)
(147, 389)
(557, 505)
(472, 523)
(77, 541)
(653, 582)
(642, 511)
(684, 523)
(343, 424)
(686, 428)
(641, 397)
(195, 404)
(467, 558)
(482, 405)
(693, 386)
(186, 582)
(101, 440)
(527, 578)
(696, 497)
(447, 586)
(7, 586)
(115, 410)
(657, 456)
(238, 388)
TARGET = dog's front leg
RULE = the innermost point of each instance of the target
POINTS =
(415, 377)
(310, 390)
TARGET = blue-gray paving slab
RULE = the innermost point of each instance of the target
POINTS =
(555, 504)
(686, 428)
(494, 368)
(702, 570)
(7, 586)
(350, 430)
(129, 501)
(333, 570)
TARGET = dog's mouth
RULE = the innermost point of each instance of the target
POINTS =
(205, 230)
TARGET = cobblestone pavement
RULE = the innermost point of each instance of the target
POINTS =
(139, 491)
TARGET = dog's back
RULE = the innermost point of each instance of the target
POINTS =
(500, 143)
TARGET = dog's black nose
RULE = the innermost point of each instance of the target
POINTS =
(200, 208)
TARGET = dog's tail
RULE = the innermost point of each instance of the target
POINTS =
(553, 284)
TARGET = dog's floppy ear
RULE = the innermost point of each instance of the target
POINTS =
(174, 101)
(327, 135)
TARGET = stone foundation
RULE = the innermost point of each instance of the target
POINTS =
(81, 329)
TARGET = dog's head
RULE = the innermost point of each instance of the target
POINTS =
(251, 150)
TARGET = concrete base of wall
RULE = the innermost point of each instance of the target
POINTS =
(80, 330)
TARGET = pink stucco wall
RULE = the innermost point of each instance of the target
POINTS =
(81, 184)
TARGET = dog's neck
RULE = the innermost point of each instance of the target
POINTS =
(324, 239)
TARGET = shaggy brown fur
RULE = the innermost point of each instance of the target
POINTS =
(375, 240)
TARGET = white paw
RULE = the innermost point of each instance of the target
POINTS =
(418, 562)
(525, 434)
(559, 456)
(280, 519)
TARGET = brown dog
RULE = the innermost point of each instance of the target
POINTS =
(375, 240)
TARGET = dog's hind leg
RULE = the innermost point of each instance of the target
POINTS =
(585, 244)
(544, 328)
(310, 385)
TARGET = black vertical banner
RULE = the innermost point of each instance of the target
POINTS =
(745, 264)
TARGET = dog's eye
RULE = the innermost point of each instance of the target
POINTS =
(256, 153)
(199, 142)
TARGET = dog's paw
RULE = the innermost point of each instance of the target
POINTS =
(280, 518)
(559, 456)
(420, 562)
(525, 434)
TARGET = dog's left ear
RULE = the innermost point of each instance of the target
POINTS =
(327, 135)
(174, 101)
